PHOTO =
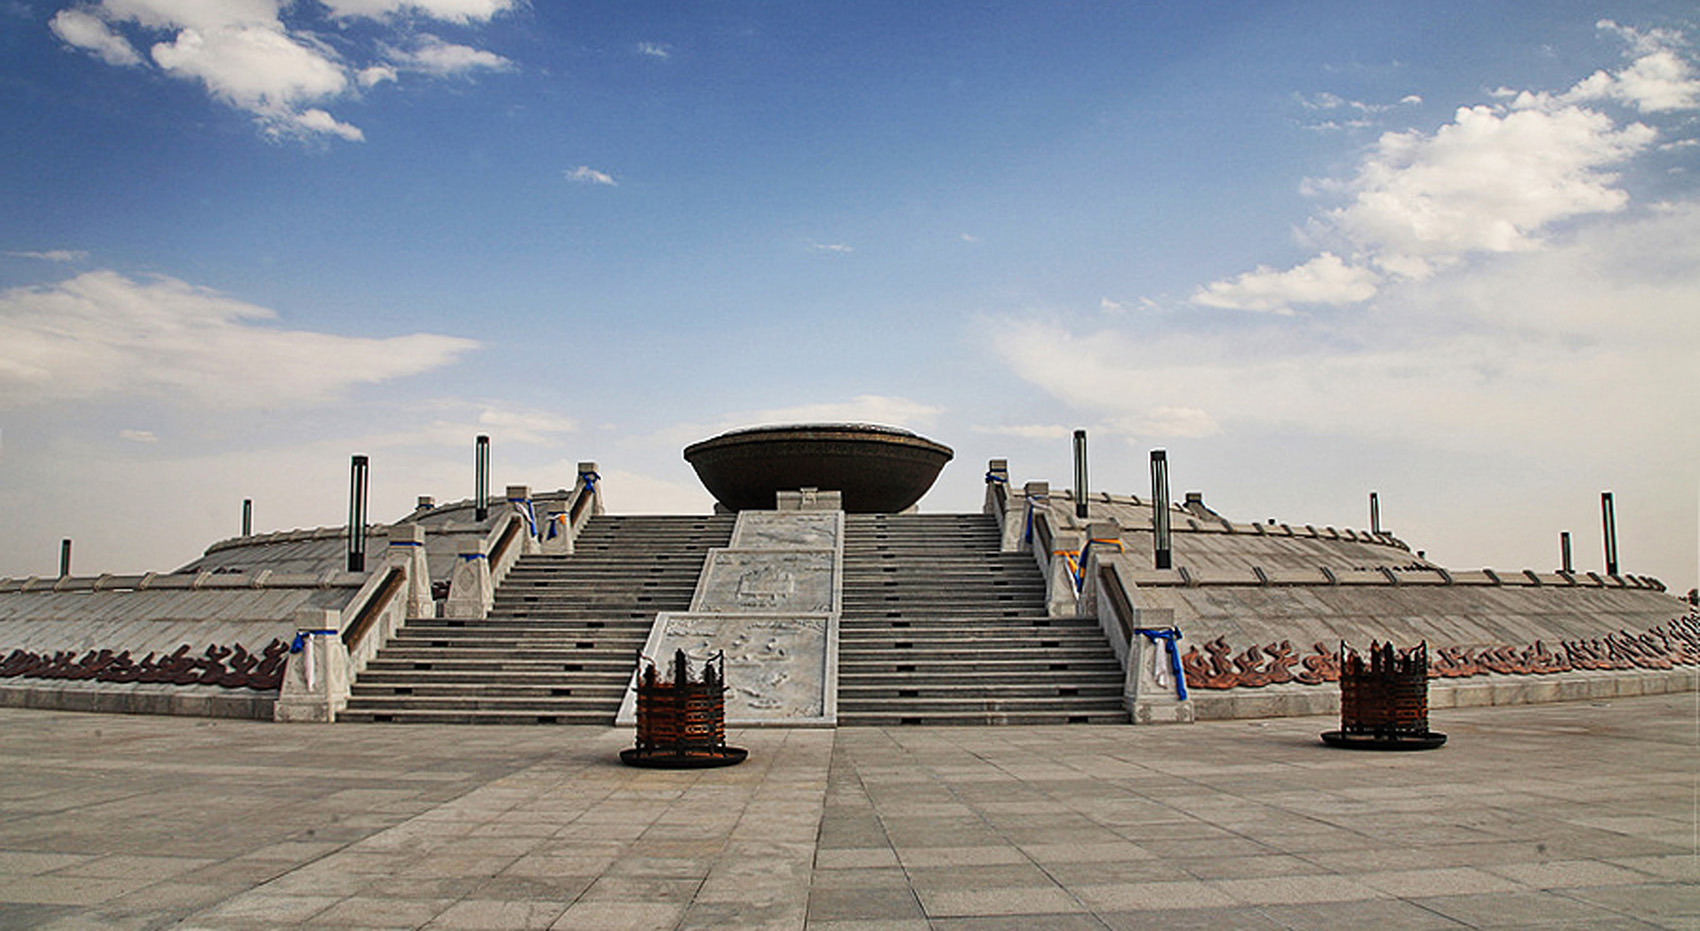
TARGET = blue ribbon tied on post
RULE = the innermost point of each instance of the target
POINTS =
(530, 514)
(1171, 638)
(300, 641)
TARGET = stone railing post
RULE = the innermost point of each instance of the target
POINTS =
(997, 489)
(1036, 500)
(407, 550)
(1146, 641)
(1154, 688)
(1061, 599)
(470, 587)
(558, 529)
(590, 482)
(519, 500)
(315, 680)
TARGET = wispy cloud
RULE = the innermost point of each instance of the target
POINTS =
(837, 247)
(54, 255)
(85, 30)
(102, 335)
(584, 174)
(1325, 279)
(454, 11)
(138, 436)
(269, 59)
(659, 50)
(434, 56)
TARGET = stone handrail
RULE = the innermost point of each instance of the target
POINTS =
(565, 519)
(1145, 640)
(335, 646)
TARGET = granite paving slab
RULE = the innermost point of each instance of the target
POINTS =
(139, 822)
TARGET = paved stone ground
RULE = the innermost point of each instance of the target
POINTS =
(1581, 814)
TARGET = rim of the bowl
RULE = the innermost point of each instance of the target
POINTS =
(830, 431)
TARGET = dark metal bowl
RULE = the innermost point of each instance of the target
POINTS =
(879, 470)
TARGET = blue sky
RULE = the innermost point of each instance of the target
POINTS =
(1449, 252)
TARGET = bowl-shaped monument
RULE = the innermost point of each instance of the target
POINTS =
(879, 470)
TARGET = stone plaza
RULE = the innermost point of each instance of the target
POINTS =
(1578, 814)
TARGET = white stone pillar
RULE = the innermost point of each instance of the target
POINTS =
(1151, 692)
(407, 551)
(470, 588)
(315, 679)
(519, 501)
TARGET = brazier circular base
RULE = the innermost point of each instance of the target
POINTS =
(726, 756)
(1347, 741)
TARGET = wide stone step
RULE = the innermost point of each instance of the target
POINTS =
(975, 634)
(539, 629)
(859, 693)
(615, 677)
(590, 664)
(565, 652)
(586, 717)
(894, 662)
(373, 694)
(507, 624)
(517, 646)
(974, 717)
(1106, 675)
(535, 705)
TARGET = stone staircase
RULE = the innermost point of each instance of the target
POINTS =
(561, 640)
(939, 627)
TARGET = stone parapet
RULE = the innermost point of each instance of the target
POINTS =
(1281, 701)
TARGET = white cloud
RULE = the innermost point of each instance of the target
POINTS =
(659, 50)
(239, 50)
(1325, 279)
(432, 55)
(313, 120)
(837, 247)
(54, 255)
(374, 75)
(454, 11)
(101, 334)
(85, 30)
(585, 174)
(259, 68)
(1490, 181)
(1496, 179)
(138, 436)
(1658, 80)
(264, 57)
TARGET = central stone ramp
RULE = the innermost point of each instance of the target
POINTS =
(562, 637)
(940, 627)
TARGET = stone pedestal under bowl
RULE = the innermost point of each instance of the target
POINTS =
(879, 470)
